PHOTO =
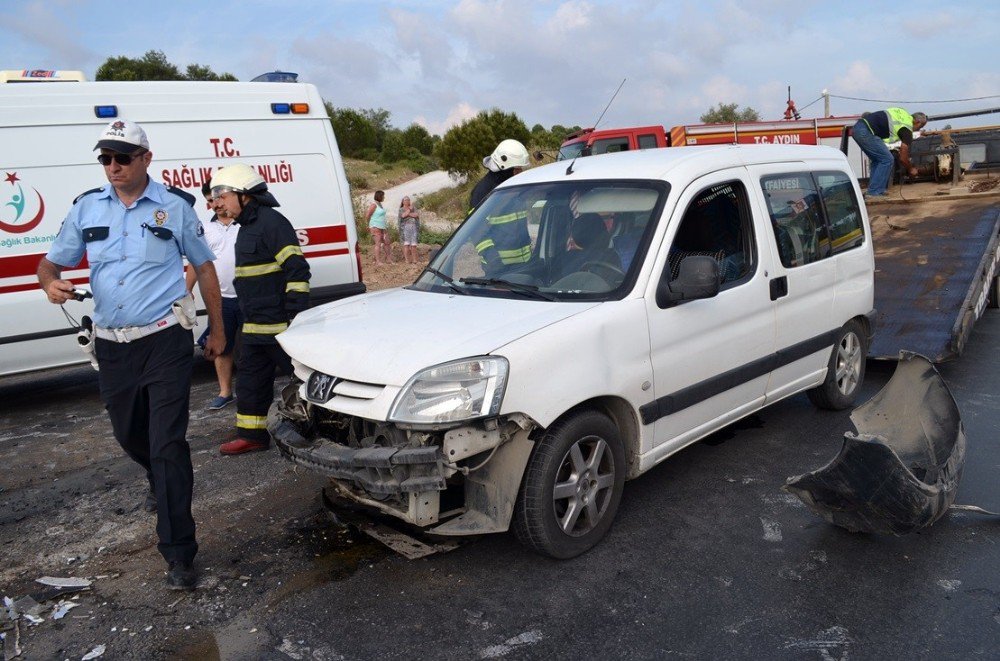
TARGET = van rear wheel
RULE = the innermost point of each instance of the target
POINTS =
(572, 487)
(846, 371)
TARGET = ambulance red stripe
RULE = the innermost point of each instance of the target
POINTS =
(22, 265)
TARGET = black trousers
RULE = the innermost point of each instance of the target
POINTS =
(255, 387)
(145, 386)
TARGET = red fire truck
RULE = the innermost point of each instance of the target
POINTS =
(822, 131)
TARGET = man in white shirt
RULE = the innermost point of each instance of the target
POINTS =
(220, 233)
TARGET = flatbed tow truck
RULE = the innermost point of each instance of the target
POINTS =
(936, 264)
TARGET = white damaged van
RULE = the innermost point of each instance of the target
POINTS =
(47, 159)
(668, 293)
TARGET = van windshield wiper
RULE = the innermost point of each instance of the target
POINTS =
(527, 290)
(447, 279)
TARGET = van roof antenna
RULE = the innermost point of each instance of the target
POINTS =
(597, 123)
(569, 170)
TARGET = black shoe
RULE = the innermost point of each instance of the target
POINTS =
(150, 504)
(181, 576)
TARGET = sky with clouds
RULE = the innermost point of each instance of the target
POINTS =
(438, 62)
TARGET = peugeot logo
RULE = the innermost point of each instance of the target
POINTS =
(320, 387)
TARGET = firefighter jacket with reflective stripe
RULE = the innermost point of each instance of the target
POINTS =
(505, 240)
(272, 275)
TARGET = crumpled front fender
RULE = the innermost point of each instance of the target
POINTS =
(900, 472)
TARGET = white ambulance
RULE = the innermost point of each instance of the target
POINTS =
(47, 159)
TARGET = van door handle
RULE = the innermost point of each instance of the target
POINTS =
(779, 287)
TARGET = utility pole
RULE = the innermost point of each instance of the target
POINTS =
(826, 103)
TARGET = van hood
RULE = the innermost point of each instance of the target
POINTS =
(388, 336)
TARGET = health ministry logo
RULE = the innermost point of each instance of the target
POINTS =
(14, 221)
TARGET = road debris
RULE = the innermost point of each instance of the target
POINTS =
(94, 653)
(983, 186)
(12, 643)
(67, 582)
(62, 608)
(900, 473)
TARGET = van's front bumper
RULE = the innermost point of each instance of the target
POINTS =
(459, 481)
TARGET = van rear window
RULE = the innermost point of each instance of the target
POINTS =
(813, 215)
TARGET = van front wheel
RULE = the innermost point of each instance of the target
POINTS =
(846, 371)
(572, 486)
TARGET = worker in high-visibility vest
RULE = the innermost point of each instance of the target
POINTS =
(874, 131)
(505, 241)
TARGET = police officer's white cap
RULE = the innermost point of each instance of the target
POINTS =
(123, 136)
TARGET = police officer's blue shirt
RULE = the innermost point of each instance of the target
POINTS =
(135, 275)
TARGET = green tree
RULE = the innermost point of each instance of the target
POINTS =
(200, 72)
(154, 66)
(417, 137)
(463, 147)
(393, 147)
(727, 113)
(355, 133)
(379, 120)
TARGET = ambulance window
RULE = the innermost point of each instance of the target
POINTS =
(842, 211)
(717, 224)
(609, 145)
(647, 141)
(797, 218)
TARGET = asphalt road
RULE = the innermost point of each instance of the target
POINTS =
(708, 559)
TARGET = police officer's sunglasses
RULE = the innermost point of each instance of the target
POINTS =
(120, 159)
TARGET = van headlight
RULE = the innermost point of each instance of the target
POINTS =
(460, 390)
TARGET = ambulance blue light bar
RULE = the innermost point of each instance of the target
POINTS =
(106, 112)
(292, 108)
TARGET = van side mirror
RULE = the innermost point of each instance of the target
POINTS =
(698, 278)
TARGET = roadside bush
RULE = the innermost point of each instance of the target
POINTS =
(432, 236)
(357, 180)
(421, 164)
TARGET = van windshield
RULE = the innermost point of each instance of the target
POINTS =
(551, 241)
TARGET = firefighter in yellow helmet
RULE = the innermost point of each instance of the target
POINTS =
(272, 286)
(505, 241)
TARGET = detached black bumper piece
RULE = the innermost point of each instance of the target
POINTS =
(900, 473)
(383, 471)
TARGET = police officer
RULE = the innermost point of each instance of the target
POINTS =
(874, 131)
(272, 286)
(505, 241)
(134, 232)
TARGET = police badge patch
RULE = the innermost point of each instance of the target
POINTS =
(160, 216)
(201, 230)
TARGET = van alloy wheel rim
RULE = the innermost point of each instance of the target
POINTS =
(848, 364)
(584, 485)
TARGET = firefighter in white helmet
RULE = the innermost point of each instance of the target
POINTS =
(272, 286)
(505, 242)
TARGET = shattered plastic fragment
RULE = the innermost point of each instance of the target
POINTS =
(12, 642)
(62, 608)
(61, 582)
(94, 653)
